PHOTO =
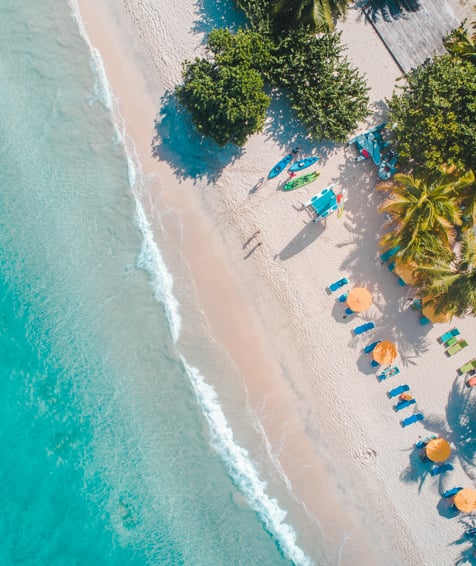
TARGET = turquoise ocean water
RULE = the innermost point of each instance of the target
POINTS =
(115, 450)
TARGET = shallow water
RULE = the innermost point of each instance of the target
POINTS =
(115, 449)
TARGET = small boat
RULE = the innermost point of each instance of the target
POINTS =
(280, 166)
(303, 163)
(300, 181)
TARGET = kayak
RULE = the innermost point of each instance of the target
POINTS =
(303, 163)
(300, 181)
(280, 166)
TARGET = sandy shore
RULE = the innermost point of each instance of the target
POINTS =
(327, 418)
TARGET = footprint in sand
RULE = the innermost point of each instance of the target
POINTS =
(365, 455)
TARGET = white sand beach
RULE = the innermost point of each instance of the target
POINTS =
(327, 418)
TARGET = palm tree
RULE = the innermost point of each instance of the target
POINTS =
(317, 15)
(452, 286)
(422, 213)
(461, 43)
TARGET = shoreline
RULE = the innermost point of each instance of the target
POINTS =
(276, 315)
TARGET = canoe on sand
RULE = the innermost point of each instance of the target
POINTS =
(280, 166)
(303, 163)
(300, 181)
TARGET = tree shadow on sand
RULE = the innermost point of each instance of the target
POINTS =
(302, 240)
(212, 14)
(190, 155)
(468, 554)
(388, 10)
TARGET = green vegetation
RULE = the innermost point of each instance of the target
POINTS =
(225, 95)
(433, 119)
(461, 44)
(328, 95)
(316, 15)
(224, 92)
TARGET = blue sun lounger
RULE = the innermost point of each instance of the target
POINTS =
(424, 441)
(389, 253)
(342, 298)
(398, 390)
(363, 328)
(388, 372)
(338, 284)
(451, 492)
(370, 348)
(448, 335)
(440, 469)
(413, 419)
(403, 404)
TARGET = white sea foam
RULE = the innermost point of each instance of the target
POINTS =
(236, 458)
(241, 469)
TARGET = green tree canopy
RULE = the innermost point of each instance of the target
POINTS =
(316, 15)
(424, 214)
(328, 95)
(434, 117)
(225, 95)
(451, 285)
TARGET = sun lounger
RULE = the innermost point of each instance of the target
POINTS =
(370, 348)
(403, 404)
(338, 284)
(424, 320)
(467, 367)
(413, 419)
(456, 348)
(388, 372)
(398, 390)
(471, 382)
(389, 253)
(451, 492)
(447, 335)
(440, 469)
(374, 364)
(343, 298)
(363, 328)
(451, 341)
(424, 441)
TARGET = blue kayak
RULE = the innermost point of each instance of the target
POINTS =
(281, 166)
(303, 163)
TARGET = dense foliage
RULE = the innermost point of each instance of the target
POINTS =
(462, 44)
(432, 225)
(328, 95)
(224, 93)
(434, 117)
(281, 16)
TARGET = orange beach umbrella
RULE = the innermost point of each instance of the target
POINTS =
(406, 271)
(438, 450)
(384, 352)
(465, 500)
(359, 299)
(429, 312)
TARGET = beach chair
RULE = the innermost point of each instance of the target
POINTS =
(398, 390)
(343, 298)
(374, 363)
(389, 253)
(438, 469)
(451, 492)
(403, 404)
(456, 348)
(338, 284)
(424, 320)
(413, 419)
(370, 348)
(388, 372)
(467, 367)
(471, 382)
(424, 441)
(447, 335)
(451, 341)
(348, 311)
(416, 305)
(363, 328)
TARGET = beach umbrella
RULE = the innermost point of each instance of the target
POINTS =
(359, 299)
(465, 500)
(384, 352)
(429, 312)
(438, 450)
(406, 272)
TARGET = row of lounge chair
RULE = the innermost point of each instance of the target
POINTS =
(405, 400)
(450, 341)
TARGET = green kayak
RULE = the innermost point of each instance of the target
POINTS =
(300, 181)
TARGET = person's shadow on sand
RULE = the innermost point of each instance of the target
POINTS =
(304, 238)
